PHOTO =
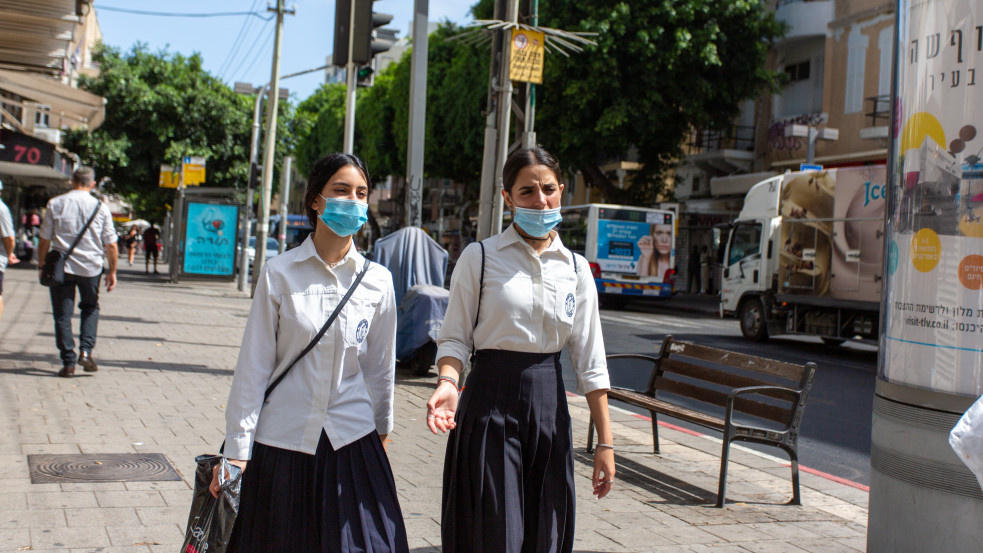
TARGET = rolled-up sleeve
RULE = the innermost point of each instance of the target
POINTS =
(457, 330)
(586, 339)
(47, 229)
(108, 231)
(379, 367)
(255, 366)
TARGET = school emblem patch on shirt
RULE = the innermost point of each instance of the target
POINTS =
(361, 330)
(570, 304)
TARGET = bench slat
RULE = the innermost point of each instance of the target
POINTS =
(719, 377)
(741, 404)
(666, 408)
(749, 362)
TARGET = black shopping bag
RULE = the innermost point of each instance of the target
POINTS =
(211, 519)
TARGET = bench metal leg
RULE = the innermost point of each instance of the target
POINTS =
(796, 495)
(590, 435)
(655, 432)
(724, 458)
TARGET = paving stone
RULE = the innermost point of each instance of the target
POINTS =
(101, 516)
(128, 498)
(14, 539)
(54, 538)
(60, 500)
(138, 535)
(35, 518)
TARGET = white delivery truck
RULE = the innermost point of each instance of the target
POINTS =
(631, 250)
(805, 256)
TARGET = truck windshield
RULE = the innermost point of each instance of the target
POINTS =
(744, 242)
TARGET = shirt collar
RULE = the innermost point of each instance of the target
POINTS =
(511, 236)
(307, 251)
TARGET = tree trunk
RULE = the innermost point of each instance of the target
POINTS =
(597, 179)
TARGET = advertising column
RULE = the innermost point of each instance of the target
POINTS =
(922, 498)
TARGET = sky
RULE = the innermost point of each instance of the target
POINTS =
(240, 48)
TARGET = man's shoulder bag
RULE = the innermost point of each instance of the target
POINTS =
(53, 270)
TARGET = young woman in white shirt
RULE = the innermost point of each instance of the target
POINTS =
(517, 299)
(317, 478)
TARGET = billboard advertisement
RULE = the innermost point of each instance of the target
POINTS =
(832, 233)
(635, 242)
(934, 284)
(210, 239)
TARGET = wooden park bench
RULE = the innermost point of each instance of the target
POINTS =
(707, 379)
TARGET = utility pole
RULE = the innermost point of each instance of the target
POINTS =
(253, 161)
(486, 203)
(285, 178)
(418, 115)
(348, 145)
(504, 117)
(262, 228)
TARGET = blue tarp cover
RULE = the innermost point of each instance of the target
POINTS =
(413, 258)
(420, 316)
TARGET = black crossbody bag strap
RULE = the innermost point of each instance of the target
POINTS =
(481, 286)
(320, 334)
(82, 232)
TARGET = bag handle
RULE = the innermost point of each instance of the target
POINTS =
(481, 286)
(320, 334)
(85, 228)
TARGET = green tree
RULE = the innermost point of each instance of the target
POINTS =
(160, 107)
(658, 70)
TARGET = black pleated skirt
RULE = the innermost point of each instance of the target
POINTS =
(330, 502)
(508, 473)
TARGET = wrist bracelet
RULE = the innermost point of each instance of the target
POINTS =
(450, 379)
(609, 446)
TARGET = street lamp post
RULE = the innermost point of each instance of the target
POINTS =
(812, 134)
(253, 158)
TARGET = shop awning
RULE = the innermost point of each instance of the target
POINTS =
(77, 106)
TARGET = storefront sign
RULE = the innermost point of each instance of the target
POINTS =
(210, 239)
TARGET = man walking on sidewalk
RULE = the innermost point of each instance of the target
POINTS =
(7, 235)
(65, 219)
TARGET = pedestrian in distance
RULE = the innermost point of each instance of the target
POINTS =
(9, 243)
(130, 240)
(517, 299)
(151, 248)
(66, 217)
(316, 477)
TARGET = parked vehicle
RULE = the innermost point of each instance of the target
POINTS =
(418, 265)
(631, 251)
(805, 256)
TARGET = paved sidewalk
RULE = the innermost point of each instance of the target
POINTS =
(166, 354)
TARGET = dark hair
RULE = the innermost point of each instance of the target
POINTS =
(321, 173)
(527, 157)
(84, 175)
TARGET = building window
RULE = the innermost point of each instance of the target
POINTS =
(797, 71)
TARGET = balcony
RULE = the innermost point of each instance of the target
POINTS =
(879, 114)
(722, 152)
(805, 18)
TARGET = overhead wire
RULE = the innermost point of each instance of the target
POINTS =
(260, 15)
(236, 44)
(262, 48)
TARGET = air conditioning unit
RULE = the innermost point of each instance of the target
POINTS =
(48, 135)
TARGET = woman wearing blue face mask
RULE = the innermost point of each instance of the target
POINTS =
(317, 478)
(516, 300)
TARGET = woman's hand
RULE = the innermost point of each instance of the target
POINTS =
(214, 487)
(603, 471)
(646, 246)
(441, 407)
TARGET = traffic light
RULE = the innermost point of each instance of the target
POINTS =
(367, 36)
(255, 174)
(364, 75)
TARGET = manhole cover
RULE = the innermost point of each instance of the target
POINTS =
(101, 467)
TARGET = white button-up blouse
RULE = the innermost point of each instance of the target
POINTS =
(344, 385)
(530, 303)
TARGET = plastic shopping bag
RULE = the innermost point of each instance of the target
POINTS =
(966, 439)
(211, 519)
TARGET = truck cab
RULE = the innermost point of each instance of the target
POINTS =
(747, 254)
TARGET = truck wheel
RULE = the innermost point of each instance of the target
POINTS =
(833, 342)
(753, 325)
(425, 357)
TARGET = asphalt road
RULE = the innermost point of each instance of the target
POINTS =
(835, 433)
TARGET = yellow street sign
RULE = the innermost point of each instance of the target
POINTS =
(526, 58)
(168, 178)
(194, 170)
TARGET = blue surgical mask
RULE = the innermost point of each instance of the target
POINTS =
(537, 222)
(344, 217)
